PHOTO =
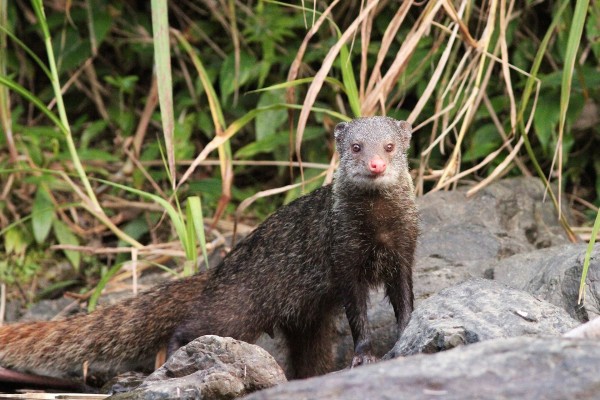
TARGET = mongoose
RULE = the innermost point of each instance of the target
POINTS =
(300, 267)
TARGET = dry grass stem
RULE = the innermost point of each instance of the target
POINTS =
(389, 80)
(317, 83)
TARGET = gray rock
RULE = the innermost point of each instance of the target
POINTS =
(554, 275)
(515, 368)
(123, 383)
(505, 218)
(478, 310)
(45, 310)
(210, 367)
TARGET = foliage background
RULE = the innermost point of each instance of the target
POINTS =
(263, 83)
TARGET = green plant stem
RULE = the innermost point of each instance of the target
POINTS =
(524, 103)
(588, 256)
(39, 9)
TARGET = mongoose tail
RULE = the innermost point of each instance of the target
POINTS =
(110, 339)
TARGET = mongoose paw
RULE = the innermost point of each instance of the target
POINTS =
(363, 359)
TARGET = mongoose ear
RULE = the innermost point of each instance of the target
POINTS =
(340, 131)
(405, 133)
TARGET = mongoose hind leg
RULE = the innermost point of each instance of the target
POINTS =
(310, 349)
(241, 328)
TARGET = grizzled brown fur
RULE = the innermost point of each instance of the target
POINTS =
(132, 330)
(303, 264)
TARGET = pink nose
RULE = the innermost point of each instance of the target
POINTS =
(377, 165)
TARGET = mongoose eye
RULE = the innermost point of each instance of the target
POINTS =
(389, 147)
(356, 148)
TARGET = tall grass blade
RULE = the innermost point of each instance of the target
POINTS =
(9, 83)
(531, 81)
(66, 128)
(588, 255)
(190, 265)
(174, 215)
(573, 42)
(93, 301)
(5, 114)
(162, 59)
(225, 153)
(197, 221)
(349, 81)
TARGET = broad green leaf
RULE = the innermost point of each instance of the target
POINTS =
(92, 131)
(484, 141)
(66, 237)
(269, 122)
(42, 214)
(546, 118)
(126, 84)
(97, 155)
(266, 145)
(274, 142)
(227, 83)
(593, 29)
(15, 242)
(100, 19)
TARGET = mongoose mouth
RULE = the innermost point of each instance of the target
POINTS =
(375, 175)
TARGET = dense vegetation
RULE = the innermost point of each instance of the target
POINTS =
(494, 88)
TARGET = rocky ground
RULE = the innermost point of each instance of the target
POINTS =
(496, 286)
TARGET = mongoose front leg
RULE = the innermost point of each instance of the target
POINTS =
(400, 292)
(356, 312)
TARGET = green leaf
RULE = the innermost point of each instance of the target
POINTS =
(100, 286)
(268, 122)
(546, 118)
(484, 141)
(272, 143)
(66, 237)
(97, 155)
(588, 255)
(593, 29)
(349, 80)
(15, 242)
(92, 131)
(573, 43)
(227, 83)
(42, 214)
(173, 213)
(267, 145)
(100, 19)
(197, 221)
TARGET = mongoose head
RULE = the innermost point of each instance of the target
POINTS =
(373, 151)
